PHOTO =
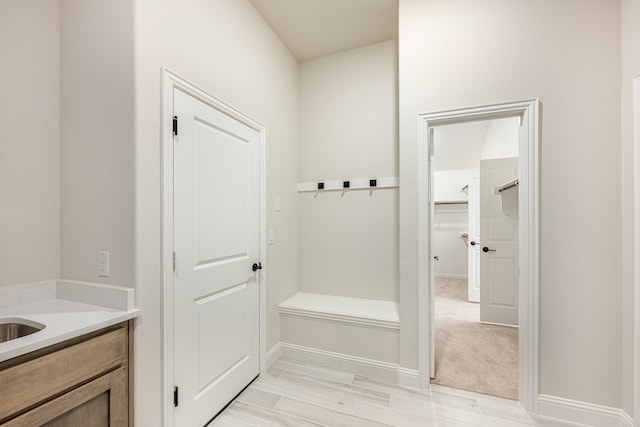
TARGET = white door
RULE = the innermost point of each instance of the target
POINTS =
(473, 249)
(499, 246)
(216, 243)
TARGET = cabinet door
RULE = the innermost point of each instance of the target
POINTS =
(40, 378)
(102, 402)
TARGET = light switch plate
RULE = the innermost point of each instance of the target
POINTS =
(103, 263)
(277, 204)
(271, 236)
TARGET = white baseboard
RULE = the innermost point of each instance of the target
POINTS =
(582, 412)
(409, 377)
(273, 355)
(384, 371)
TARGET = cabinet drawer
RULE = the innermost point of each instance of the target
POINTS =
(34, 381)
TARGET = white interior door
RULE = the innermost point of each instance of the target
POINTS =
(499, 245)
(473, 249)
(216, 243)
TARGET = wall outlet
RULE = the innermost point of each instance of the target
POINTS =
(103, 263)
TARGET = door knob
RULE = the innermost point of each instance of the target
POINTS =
(486, 249)
(257, 266)
(472, 243)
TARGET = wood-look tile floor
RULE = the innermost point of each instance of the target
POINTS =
(294, 394)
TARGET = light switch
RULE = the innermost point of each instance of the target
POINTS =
(103, 263)
(277, 204)
(271, 236)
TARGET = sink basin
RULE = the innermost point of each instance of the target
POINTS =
(11, 329)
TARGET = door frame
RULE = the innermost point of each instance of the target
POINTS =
(171, 82)
(636, 249)
(529, 232)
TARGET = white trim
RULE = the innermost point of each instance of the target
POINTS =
(168, 413)
(409, 377)
(263, 249)
(581, 412)
(374, 313)
(170, 82)
(636, 250)
(626, 420)
(273, 355)
(345, 362)
(528, 112)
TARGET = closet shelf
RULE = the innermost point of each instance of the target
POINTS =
(349, 184)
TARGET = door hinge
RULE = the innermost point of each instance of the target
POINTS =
(175, 125)
(175, 397)
(175, 261)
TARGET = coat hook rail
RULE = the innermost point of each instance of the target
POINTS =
(349, 184)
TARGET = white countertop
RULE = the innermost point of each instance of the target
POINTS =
(67, 309)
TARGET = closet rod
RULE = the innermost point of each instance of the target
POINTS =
(507, 185)
(459, 202)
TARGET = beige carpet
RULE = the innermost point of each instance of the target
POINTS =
(471, 355)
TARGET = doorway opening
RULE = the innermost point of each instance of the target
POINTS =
(526, 268)
(474, 256)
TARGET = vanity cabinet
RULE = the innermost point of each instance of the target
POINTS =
(79, 382)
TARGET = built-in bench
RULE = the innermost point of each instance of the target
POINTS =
(353, 334)
(382, 314)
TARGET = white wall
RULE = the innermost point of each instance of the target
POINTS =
(448, 185)
(630, 69)
(97, 139)
(348, 129)
(30, 142)
(502, 139)
(463, 53)
(458, 146)
(226, 48)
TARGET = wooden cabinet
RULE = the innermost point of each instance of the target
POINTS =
(80, 382)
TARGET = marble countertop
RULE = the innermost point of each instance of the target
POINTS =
(67, 309)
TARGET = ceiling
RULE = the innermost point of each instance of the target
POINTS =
(314, 28)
